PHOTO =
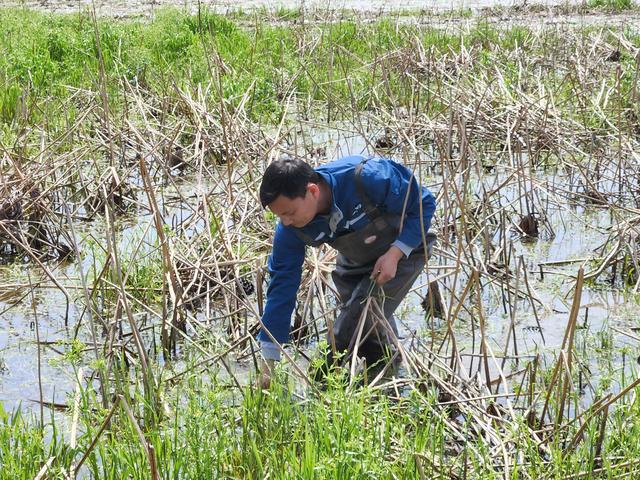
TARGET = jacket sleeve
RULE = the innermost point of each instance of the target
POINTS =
(285, 269)
(387, 183)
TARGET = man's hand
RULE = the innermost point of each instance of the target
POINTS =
(264, 375)
(386, 266)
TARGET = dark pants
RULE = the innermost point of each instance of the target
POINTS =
(377, 328)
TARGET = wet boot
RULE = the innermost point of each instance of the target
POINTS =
(320, 369)
(380, 358)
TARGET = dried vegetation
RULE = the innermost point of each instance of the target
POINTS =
(518, 131)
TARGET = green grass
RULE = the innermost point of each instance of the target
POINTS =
(343, 434)
(44, 58)
(211, 434)
(24, 446)
(47, 56)
(614, 5)
(43, 54)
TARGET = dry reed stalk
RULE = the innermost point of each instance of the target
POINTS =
(42, 473)
(39, 352)
(170, 274)
(149, 382)
(563, 368)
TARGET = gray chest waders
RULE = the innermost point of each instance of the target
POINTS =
(372, 334)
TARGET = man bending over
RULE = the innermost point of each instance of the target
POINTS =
(377, 216)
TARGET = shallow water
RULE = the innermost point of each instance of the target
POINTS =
(575, 238)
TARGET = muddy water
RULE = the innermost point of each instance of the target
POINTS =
(56, 316)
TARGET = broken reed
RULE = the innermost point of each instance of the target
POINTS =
(483, 113)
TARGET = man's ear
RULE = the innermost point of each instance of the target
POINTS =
(313, 189)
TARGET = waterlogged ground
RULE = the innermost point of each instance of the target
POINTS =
(531, 121)
(436, 13)
(121, 8)
(607, 318)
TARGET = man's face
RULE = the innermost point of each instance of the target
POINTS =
(297, 212)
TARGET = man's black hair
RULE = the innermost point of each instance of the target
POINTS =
(288, 177)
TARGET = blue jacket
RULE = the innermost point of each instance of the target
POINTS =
(386, 183)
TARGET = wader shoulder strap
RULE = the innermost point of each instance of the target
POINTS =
(373, 213)
(370, 209)
(303, 236)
